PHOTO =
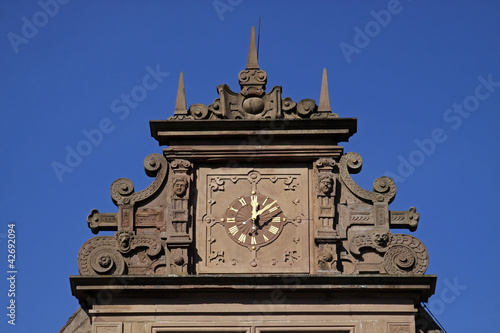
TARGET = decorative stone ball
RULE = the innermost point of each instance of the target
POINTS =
(179, 260)
(253, 105)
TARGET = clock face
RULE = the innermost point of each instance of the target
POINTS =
(254, 220)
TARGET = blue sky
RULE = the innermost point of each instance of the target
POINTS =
(422, 77)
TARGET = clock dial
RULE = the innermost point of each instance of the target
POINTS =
(254, 220)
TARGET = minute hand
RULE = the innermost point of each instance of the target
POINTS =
(265, 208)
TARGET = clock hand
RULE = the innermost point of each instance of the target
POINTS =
(265, 208)
(267, 221)
(244, 226)
(255, 205)
(245, 222)
(248, 226)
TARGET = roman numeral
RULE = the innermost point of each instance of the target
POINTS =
(231, 208)
(276, 219)
(254, 241)
(232, 220)
(233, 230)
(254, 200)
(242, 238)
(242, 201)
(265, 238)
(265, 201)
(273, 209)
(273, 229)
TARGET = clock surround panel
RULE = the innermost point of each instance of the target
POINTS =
(277, 241)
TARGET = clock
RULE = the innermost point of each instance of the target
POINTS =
(254, 220)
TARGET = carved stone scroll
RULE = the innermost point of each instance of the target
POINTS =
(122, 189)
(123, 195)
(384, 252)
(363, 207)
(99, 256)
(384, 188)
(364, 223)
(406, 255)
(123, 254)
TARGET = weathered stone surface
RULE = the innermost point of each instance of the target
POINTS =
(329, 303)
(79, 322)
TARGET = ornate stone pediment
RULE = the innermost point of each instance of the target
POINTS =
(253, 183)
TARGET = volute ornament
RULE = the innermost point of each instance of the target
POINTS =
(122, 189)
(99, 256)
(399, 253)
(107, 255)
(199, 111)
(384, 188)
(406, 255)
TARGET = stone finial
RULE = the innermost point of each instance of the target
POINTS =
(180, 102)
(253, 102)
(324, 98)
(252, 62)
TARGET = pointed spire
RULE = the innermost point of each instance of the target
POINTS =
(324, 98)
(180, 103)
(252, 62)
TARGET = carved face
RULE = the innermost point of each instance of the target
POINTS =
(381, 239)
(326, 184)
(124, 240)
(180, 187)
